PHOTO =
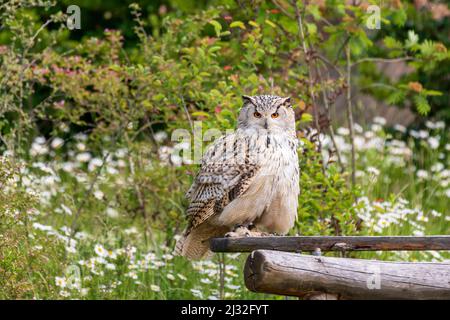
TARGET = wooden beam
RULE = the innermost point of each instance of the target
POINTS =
(305, 275)
(329, 243)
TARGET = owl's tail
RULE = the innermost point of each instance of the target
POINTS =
(194, 244)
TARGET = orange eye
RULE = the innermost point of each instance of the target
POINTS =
(257, 115)
(275, 115)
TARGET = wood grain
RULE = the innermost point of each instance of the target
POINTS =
(305, 275)
(329, 243)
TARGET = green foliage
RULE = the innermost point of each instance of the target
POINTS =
(326, 201)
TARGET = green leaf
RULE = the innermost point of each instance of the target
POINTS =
(413, 39)
(422, 105)
(392, 43)
(306, 117)
(237, 24)
(270, 23)
(396, 97)
(217, 27)
(253, 24)
(399, 17)
(200, 114)
(431, 92)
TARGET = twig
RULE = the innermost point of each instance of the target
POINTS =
(350, 114)
(222, 270)
(187, 112)
(301, 36)
(330, 127)
(384, 60)
(282, 9)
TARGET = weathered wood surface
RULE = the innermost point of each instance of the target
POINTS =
(305, 275)
(329, 243)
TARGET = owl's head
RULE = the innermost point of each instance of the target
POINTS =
(267, 112)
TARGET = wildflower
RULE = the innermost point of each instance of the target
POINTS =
(111, 254)
(57, 143)
(374, 171)
(433, 142)
(170, 276)
(205, 281)
(42, 227)
(197, 293)
(95, 163)
(343, 131)
(64, 293)
(182, 277)
(131, 230)
(167, 256)
(233, 287)
(80, 137)
(434, 213)
(111, 170)
(84, 292)
(155, 288)
(176, 160)
(358, 128)
(422, 174)
(60, 282)
(160, 136)
(83, 157)
(400, 128)
(68, 166)
(71, 249)
(81, 235)
(423, 134)
(437, 167)
(132, 275)
(81, 146)
(66, 209)
(376, 127)
(98, 194)
(379, 120)
(38, 149)
(100, 250)
(110, 266)
(112, 213)
(120, 153)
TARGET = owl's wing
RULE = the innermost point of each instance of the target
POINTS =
(223, 176)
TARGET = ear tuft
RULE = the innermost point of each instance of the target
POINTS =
(247, 99)
(286, 101)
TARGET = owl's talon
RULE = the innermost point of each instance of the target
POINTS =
(238, 231)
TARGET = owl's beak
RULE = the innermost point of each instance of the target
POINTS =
(266, 125)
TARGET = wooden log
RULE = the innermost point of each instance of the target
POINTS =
(305, 275)
(329, 243)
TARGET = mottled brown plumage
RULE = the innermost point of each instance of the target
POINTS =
(247, 177)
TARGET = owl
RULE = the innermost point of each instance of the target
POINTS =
(248, 183)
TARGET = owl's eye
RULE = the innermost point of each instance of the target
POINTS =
(275, 115)
(257, 114)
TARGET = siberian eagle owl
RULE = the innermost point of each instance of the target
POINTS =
(249, 180)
